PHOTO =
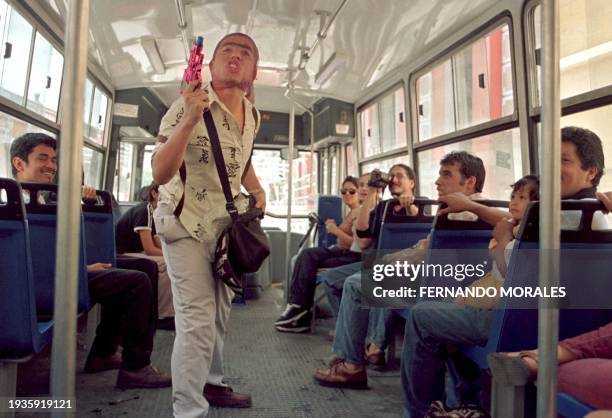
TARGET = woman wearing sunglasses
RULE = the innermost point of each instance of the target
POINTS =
(297, 315)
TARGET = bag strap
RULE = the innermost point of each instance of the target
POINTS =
(220, 163)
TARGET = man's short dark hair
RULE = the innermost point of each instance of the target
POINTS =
(146, 192)
(22, 146)
(469, 165)
(588, 147)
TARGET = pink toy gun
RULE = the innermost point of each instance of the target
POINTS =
(194, 66)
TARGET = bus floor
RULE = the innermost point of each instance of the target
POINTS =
(275, 368)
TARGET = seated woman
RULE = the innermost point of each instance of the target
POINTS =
(585, 367)
(297, 315)
(135, 236)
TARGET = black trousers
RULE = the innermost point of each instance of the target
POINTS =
(128, 312)
(303, 282)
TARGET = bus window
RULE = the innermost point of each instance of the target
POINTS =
(122, 188)
(93, 162)
(435, 110)
(383, 124)
(500, 153)
(585, 46)
(384, 165)
(14, 62)
(272, 172)
(46, 79)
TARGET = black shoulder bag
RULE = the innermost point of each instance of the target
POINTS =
(242, 246)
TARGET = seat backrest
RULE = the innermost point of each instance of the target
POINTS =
(42, 220)
(459, 241)
(584, 272)
(328, 207)
(100, 230)
(18, 329)
(399, 232)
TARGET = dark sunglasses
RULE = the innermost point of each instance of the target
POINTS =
(345, 191)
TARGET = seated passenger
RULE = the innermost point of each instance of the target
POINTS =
(460, 172)
(585, 370)
(433, 327)
(297, 315)
(368, 224)
(524, 191)
(135, 236)
(125, 295)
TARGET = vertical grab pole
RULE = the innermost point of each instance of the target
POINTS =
(289, 201)
(63, 357)
(550, 206)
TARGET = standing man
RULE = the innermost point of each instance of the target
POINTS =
(191, 214)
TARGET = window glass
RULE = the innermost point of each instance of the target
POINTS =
(89, 87)
(392, 122)
(46, 79)
(11, 128)
(384, 165)
(585, 45)
(147, 170)
(93, 162)
(350, 161)
(370, 142)
(98, 117)
(435, 107)
(483, 74)
(333, 161)
(15, 56)
(598, 121)
(272, 174)
(325, 171)
(501, 155)
(123, 175)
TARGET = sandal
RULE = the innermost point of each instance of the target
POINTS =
(512, 370)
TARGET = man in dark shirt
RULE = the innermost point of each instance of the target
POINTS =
(135, 236)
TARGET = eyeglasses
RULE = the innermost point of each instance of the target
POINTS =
(350, 191)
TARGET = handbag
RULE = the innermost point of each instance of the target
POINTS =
(243, 246)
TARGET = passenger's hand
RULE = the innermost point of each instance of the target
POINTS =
(606, 199)
(196, 102)
(331, 226)
(260, 199)
(405, 201)
(98, 267)
(88, 194)
(503, 231)
(455, 202)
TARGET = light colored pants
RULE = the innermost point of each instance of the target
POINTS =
(202, 306)
(165, 309)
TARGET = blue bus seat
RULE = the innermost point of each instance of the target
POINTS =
(328, 207)
(42, 220)
(465, 241)
(100, 230)
(398, 232)
(21, 334)
(570, 407)
(517, 329)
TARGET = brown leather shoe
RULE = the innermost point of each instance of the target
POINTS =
(148, 377)
(100, 364)
(376, 359)
(225, 397)
(339, 376)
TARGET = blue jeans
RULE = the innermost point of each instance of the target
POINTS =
(352, 323)
(430, 327)
(334, 280)
(382, 324)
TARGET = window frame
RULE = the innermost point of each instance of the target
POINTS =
(491, 126)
